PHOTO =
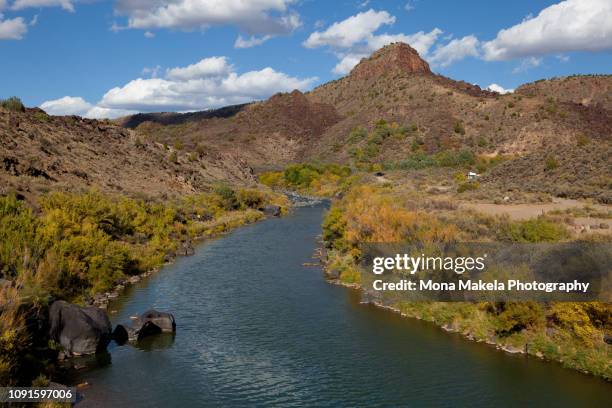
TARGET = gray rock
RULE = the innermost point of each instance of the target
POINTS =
(149, 323)
(79, 330)
(271, 210)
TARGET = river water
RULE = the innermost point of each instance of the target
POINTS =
(256, 328)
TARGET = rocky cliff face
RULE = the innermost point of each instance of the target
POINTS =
(390, 58)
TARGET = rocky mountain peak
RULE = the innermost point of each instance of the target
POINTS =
(395, 56)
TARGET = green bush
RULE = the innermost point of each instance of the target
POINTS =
(459, 128)
(517, 316)
(534, 230)
(13, 104)
(551, 163)
(228, 197)
(468, 186)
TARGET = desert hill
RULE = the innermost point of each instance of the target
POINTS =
(568, 118)
(588, 90)
(39, 152)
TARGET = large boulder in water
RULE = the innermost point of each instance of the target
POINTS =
(152, 322)
(79, 330)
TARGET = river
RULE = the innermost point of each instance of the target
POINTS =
(256, 328)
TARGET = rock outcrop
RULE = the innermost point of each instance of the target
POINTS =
(395, 56)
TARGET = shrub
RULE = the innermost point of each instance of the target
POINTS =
(13, 104)
(459, 128)
(516, 316)
(468, 186)
(357, 135)
(551, 163)
(454, 158)
(582, 140)
(272, 178)
(250, 198)
(173, 157)
(534, 230)
(228, 196)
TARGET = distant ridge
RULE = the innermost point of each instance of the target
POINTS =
(173, 118)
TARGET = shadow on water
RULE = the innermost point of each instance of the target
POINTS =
(156, 342)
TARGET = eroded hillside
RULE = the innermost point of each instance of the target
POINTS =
(39, 153)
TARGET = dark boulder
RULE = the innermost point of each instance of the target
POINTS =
(608, 338)
(151, 322)
(271, 210)
(120, 334)
(79, 330)
(165, 321)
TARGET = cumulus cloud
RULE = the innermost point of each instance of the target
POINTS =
(208, 67)
(252, 41)
(67, 5)
(68, 105)
(346, 33)
(455, 50)
(499, 89)
(354, 38)
(253, 17)
(571, 25)
(12, 29)
(210, 83)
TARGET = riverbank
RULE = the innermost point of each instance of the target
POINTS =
(87, 247)
(571, 333)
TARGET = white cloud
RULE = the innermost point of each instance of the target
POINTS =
(253, 17)
(571, 25)
(348, 32)
(353, 38)
(455, 50)
(210, 83)
(409, 6)
(2, 5)
(153, 72)
(347, 63)
(526, 64)
(562, 58)
(207, 67)
(149, 34)
(67, 5)
(420, 41)
(12, 29)
(252, 41)
(499, 89)
(68, 105)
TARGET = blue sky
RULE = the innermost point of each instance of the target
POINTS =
(108, 58)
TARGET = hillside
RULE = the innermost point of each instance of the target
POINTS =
(425, 112)
(588, 90)
(39, 153)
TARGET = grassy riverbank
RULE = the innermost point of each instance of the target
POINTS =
(572, 333)
(72, 246)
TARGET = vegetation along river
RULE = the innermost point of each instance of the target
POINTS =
(256, 328)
